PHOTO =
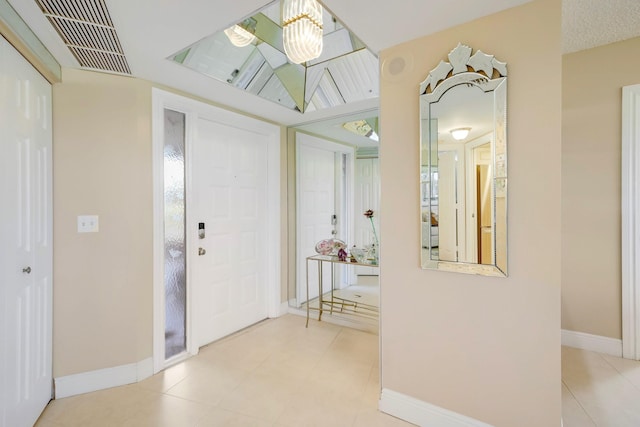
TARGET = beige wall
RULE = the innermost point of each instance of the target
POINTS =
(103, 298)
(488, 348)
(102, 165)
(591, 148)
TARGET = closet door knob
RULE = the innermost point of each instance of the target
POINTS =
(26, 270)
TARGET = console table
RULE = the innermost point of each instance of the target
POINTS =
(341, 302)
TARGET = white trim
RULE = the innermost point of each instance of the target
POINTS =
(144, 369)
(158, 230)
(101, 379)
(283, 309)
(422, 413)
(323, 144)
(630, 225)
(194, 110)
(273, 221)
(590, 342)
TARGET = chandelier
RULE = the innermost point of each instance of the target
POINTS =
(238, 36)
(302, 29)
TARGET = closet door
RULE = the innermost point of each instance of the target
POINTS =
(25, 240)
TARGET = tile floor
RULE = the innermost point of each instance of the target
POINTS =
(599, 390)
(277, 373)
(280, 374)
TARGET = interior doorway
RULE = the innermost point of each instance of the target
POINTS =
(222, 221)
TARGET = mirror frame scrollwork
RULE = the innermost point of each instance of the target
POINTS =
(490, 75)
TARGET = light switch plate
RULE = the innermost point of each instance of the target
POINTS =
(87, 223)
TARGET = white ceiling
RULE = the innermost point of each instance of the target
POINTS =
(591, 23)
(151, 30)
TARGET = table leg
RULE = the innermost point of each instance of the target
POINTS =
(333, 274)
(319, 290)
(307, 268)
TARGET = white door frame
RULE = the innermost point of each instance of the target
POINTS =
(472, 234)
(193, 109)
(631, 222)
(323, 144)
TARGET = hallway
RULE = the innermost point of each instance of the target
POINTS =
(277, 373)
(280, 374)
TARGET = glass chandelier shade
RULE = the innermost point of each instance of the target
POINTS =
(238, 36)
(302, 29)
(460, 133)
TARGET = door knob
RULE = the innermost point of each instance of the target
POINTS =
(201, 251)
(26, 270)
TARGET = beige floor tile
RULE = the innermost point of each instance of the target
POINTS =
(262, 395)
(281, 374)
(208, 386)
(243, 354)
(371, 396)
(167, 411)
(101, 408)
(375, 418)
(313, 407)
(166, 379)
(606, 396)
(573, 415)
(221, 418)
(630, 369)
(296, 364)
(44, 422)
(580, 365)
(348, 377)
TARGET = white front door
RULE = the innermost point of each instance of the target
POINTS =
(316, 208)
(229, 174)
(25, 241)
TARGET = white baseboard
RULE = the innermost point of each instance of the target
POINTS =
(284, 309)
(422, 413)
(101, 379)
(590, 342)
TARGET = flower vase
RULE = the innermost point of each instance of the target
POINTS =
(372, 256)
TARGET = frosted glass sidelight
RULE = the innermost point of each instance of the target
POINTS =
(175, 283)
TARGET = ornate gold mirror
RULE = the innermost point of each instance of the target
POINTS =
(463, 164)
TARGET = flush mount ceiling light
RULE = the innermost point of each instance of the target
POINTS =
(302, 29)
(460, 133)
(238, 36)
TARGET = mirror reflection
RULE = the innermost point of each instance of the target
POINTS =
(250, 56)
(463, 165)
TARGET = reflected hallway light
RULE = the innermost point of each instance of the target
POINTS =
(460, 133)
(302, 29)
(238, 36)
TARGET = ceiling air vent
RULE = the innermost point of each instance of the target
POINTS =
(86, 28)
